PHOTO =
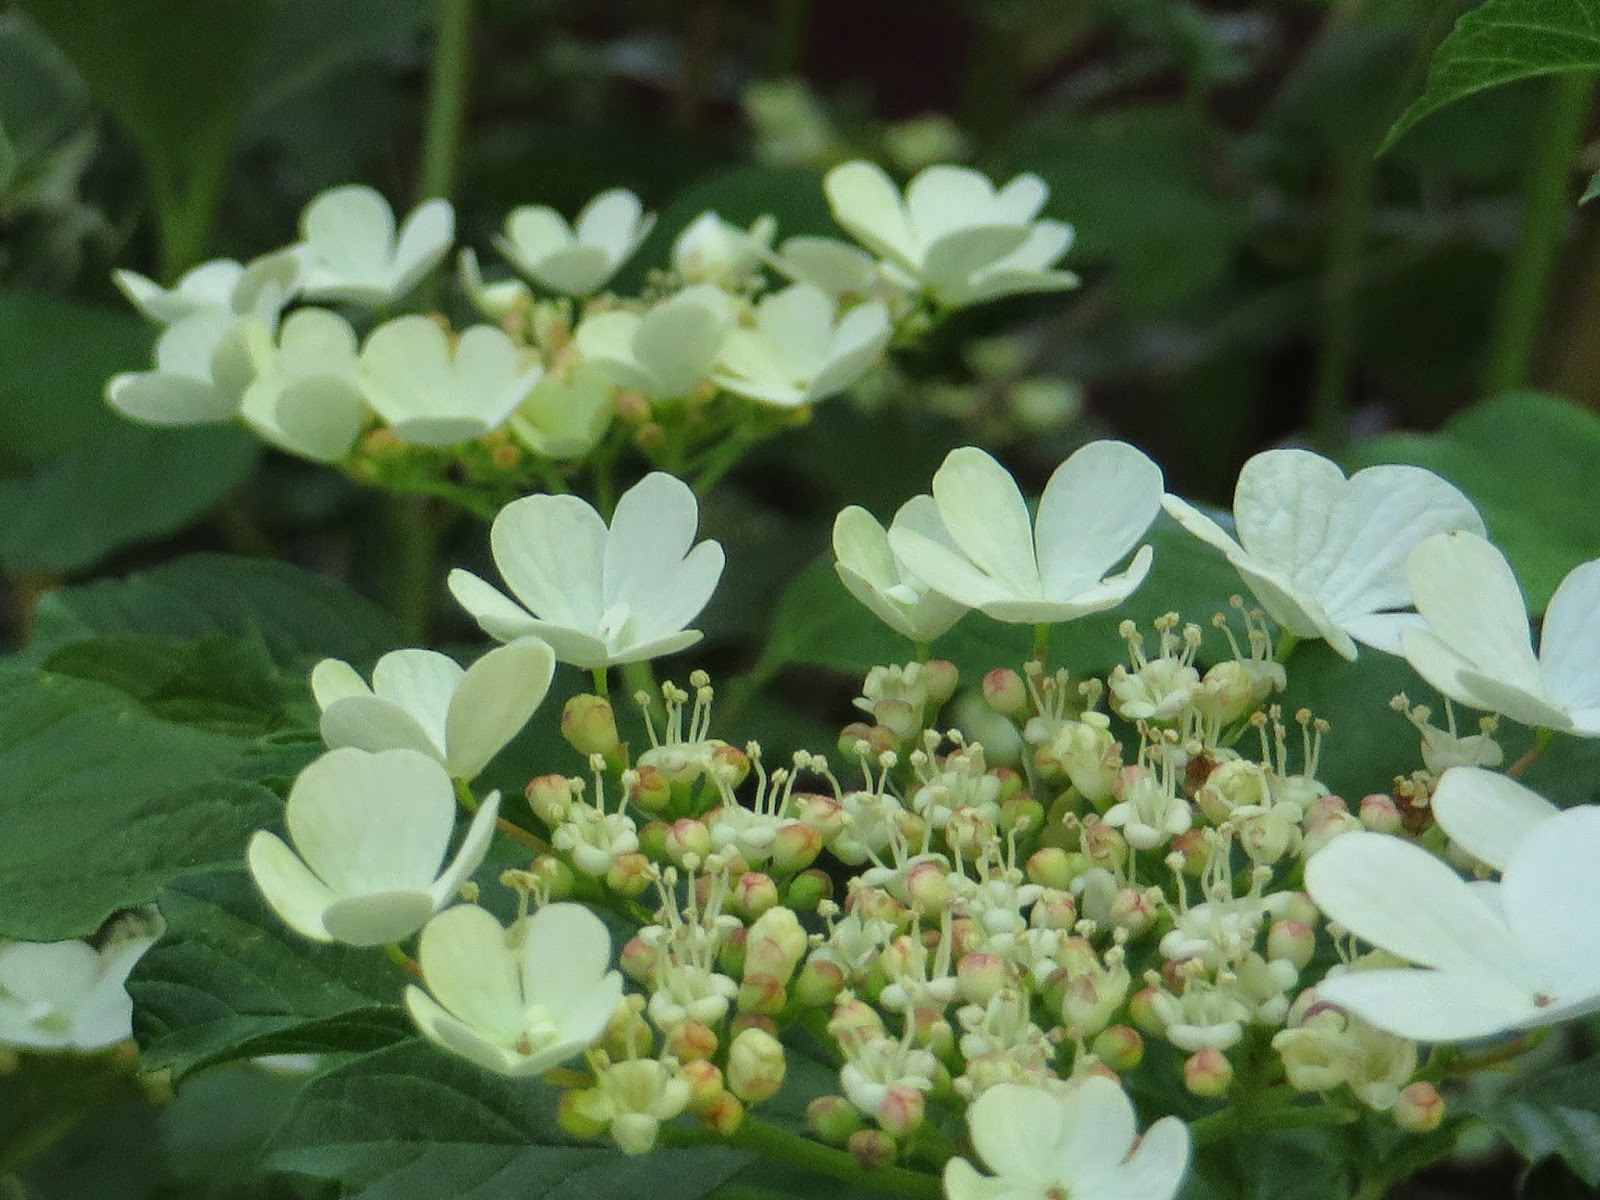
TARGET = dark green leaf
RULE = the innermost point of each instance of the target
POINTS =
(1504, 40)
(410, 1123)
(1282, 1166)
(1553, 1112)
(229, 980)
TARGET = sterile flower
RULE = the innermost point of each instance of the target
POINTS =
(1045, 1143)
(1476, 647)
(68, 995)
(223, 286)
(669, 352)
(493, 300)
(1098, 503)
(433, 393)
(303, 396)
(598, 596)
(370, 833)
(425, 701)
(185, 388)
(801, 350)
(1486, 813)
(838, 268)
(953, 231)
(517, 1001)
(567, 414)
(1326, 555)
(352, 251)
(875, 575)
(1489, 958)
(579, 258)
(710, 250)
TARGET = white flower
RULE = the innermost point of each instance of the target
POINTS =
(517, 1001)
(709, 250)
(303, 395)
(953, 231)
(434, 394)
(68, 995)
(668, 352)
(1476, 647)
(1325, 555)
(423, 700)
(801, 350)
(1047, 1143)
(186, 388)
(371, 832)
(633, 1097)
(836, 267)
(1489, 958)
(576, 259)
(493, 300)
(1055, 568)
(567, 414)
(598, 596)
(220, 286)
(352, 252)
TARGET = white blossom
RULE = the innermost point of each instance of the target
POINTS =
(354, 253)
(800, 349)
(710, 250)
(840, 269)
(303, 396)
(875, 575)
(667, 353)
(579, 258)
(221, 286)
(567, 413)
(186, 387)
(69, 995)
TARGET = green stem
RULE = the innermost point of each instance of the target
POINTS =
(447, 100)
(464, 795)
(640, 677)
(1231, 1121)
(1286, 644)
(415, 534)
(1546, 202)
(1354, 176)
(787, 1147)
(602, 683)
(1041, 643)
(789, 37)
(1541, 739)
(923, 651)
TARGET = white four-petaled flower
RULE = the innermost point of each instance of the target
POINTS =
(872, 572)
(1476, 647)
(353, 252)
(1489, 957)
(1095, 507)
(303, 395)
(425, 701)
(370, 833)
(222, 285)
(579, 258)
(599, 596)
(68, 995)
(668, 352)
(800, 349)
(1079, 1141)
(517, 1001)
(1326, 555)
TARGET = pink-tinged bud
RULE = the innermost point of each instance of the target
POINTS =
(928, 887)
(1021, 813)
(1005, 692)
(692, 1042)
(872, 1149)
(941, 678)
(966, 936)
(775, 944)
(632, 406)
(900, 718)
(761, 994)
(1104, 844)
(1419, 1108)
(627, 1033)
(1292, 941)
(875, 904)
(807, 890)
(653, 840)
(754, 893)
(649, 789)
(1192, 845)
(853, 1022)
(1098, 1070)
(878, 740)
(550, 797)
(1324, 807)
(822, 813)
(705, 1084)
(1131, 911)
(1381, 814)
(1298, 906)
(638, 960)
(731, 764)
(1054, 909)
(756, 1066)
(573, 1114)
(630, 874)
(687, 836)
(553, 875)
(1208, 1073)
(1119, 1047)
(1047, 767)
(981, 977)
(1320, 833)
(833, 1119)
(1054, 867)
(752, 1021)
(901, 1110)
(819, 983)
(899, 956)
(723, 1116)
(795, 847)
(649, 436)
(1011, 781)
(731, 957)
(1142, 1010)
(590, 726)
(931, 1029)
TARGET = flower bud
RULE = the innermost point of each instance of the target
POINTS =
(753, 1021)
(1022, 812)
(901, 1110)
(822, 813)
(723, 1116)
(754, 893)
(1381, 814)
(1420, 1108)
(775, 944)
(819, 983)
(928, 887)
(1292, 941)
(550, 797)
(691, 1042)
(1119, 1047)
(574, 1113)
(1131, 911)
(630, 874)
(899, 717)
(760, 993)
(687, 836)
(981, 977)
(795, 847)
(638, 960)
(940, 678)
(878, 740)
(649, 789)
(1054, 867)
(1142, 1008)
(807, 890)
(1005, 692)
(590, 726)
(1196, 852)
(552, 875)
(705, 1084)
(1323, 831)
(730, 764)
(653, 840)
(1104, 845)
(756, 1066)
(833, 1119)
(872, 1149)
(1054, 909)
(854, 1022)
(1208, 1073)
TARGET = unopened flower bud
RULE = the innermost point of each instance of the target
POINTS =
(761, 993)
(687, 836)
(638, 960)
(705, 1084)
(1292, 941)
(807, 890)
(822, 813)
(590, 726)
(833, 1119)
(754, 893)
(1208, 1073)
(723, 1116)
(1104, 844)
(730, 764)
(1119, 1047)
(795, 847)
(552, 876)
(1323, 831)
(775, 944)
(630, 874)
(1196, 853)
(649, 789)
(574, 1113)
(752, 1021)
(1054, 867)
(1419, 1109)
(981, 976)
(1005, 692)
(940, 678)
(875, 738)
(691, 1042)
(1054, 909)
(819, 983)
(872, 1149)
(854, 1022)
(1132, 912)
(901, 1111)
(756, 1065)
(1381, 814)
(653, 840)
(900, 718)
(928, 887)
(550, 797)
(1142, 1008)
(1022, 812)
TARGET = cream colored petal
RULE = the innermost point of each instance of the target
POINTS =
(294, 893)
(1569, 640)
(1486, 813)
(1095, 508)
(1464, 589)
(984, 512)
(866, 203)
(377, 918)
(494, 700)
(551, 550)
(495, 613)
(471, 970)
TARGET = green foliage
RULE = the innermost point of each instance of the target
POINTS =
(1502, 41)
(410, 1123)
(1527, 460)
(1552, 1112)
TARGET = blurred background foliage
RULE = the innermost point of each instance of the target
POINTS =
(1255, 273)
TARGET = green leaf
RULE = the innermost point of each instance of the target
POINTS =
(1273, 1166)
(1505, 40)
(229, 980)
(410, 1123)
(1528, 461)
(296, 614)
(103, 803)
(1554, 1112)
(76, 480)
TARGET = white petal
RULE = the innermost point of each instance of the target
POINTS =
(424, 241)
(1094, 510)
(1098, 1129)
(377, 917)
(611, 221)
(405, 370)
(643, 651)
(1428, 1006)
(1156, 1169)
(1282, 505)
(456, 1036)
(943, 199)
(1550, 892)
(470, 969)
(651, 532)
(865, 202)
(1487, 814)
(984, 512)
(1569, 641)
(946, 571)
(288, 885)
(372, 724)
(861, 337)
(678, 342)
(496, 614)
(1464, 589)
(950, 263)
(1442, 667)
(474, 848)
(161, 398)
(1021, 199)
(551, 550)
(333, 679)
(318, 418)
(683, 595)
(1018, 1129)
(861, 545)
(1525, 705)
(351, 229)
(494, 700)
(421, 683)
(566, 951)
(1197, 523)
(962, 1182)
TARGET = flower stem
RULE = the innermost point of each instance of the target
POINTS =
(602, 683)
(518, 834)
(447, 100)
(464, 795)
(1354, 174)
(415, 532)
(1041, 643)
(1541, 739)
(402, 960)
(1546, 204)
(1286, 644)
(788, 1147)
